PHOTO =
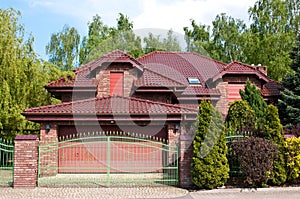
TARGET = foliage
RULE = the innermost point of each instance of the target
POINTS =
(256, 102)
(293, 157)
(268, 41)
(274, 131)
(274, 36)
(103, 39)
(255, 156)
(289, 104)
(209, 167)
(155, 43)
(224, 43)
(22, 76)
(240, 117)
(63, 48)
(97, 33)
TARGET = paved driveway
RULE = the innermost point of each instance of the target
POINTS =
(148, 192)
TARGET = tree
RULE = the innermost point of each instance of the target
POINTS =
(22, 76)
(122, 38)
(154, 43)
(268, 41)
(63, 48)
(289, 103)
(272, 36)
(227, 39)
(209, 167)
(97, 33)
(198, 39)
(274, 131)
(240, 117)
(256, 102)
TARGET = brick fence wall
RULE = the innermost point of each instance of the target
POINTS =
(26, 161)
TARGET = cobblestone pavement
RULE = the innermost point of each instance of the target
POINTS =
(95, 193)
(266, 193)
(148, 192)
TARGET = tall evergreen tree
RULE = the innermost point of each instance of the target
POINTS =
(209, 167)
(289, 104)
(256, 102)
(274, 131)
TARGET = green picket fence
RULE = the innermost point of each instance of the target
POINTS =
(6, 162)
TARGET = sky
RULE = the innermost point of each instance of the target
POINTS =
(42, 18)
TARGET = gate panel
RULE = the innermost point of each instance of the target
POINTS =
(111, 159)
(6, 162)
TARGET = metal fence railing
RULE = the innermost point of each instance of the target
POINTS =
(107, 159)
(6, 162)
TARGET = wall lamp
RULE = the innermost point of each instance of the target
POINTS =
(48, 127)
(176, 127)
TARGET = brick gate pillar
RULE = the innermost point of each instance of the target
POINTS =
(185, 157)
(26, 161)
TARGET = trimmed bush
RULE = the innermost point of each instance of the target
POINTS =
(255, 156)
(240, 117)
(292, 146)
(209, 167)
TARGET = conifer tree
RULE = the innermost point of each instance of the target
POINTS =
(274, 132)
(256, 102)
(209, 167)
(289, 104)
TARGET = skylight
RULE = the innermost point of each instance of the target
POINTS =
(194, 80)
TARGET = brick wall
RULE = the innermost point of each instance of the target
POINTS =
(103, 77)
(185, 157)
(48, 150)
(26, 161)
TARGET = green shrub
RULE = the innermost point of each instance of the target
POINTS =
(240, 116)
(256, 102)
(292, 146)
(255, 156)
(209, 167)
(274, 131)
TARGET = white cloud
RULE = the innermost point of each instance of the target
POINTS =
(177, 14)
(165, 14)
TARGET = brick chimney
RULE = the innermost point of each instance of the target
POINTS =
(263, 69)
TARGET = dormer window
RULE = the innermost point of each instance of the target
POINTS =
(194, 81)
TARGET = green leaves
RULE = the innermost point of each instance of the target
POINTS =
(268, 41)
(22, 76)
(63, 48)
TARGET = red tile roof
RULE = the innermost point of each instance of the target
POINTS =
(271, 88)
(82, 73)
(109, 105)
(154, 79)
(70, 82)
(181, 65)
(199, 90)
(236, 67)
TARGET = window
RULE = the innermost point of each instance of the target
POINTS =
(194, 80)
(116, 83)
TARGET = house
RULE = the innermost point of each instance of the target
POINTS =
(156, 95)
(118, 92)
